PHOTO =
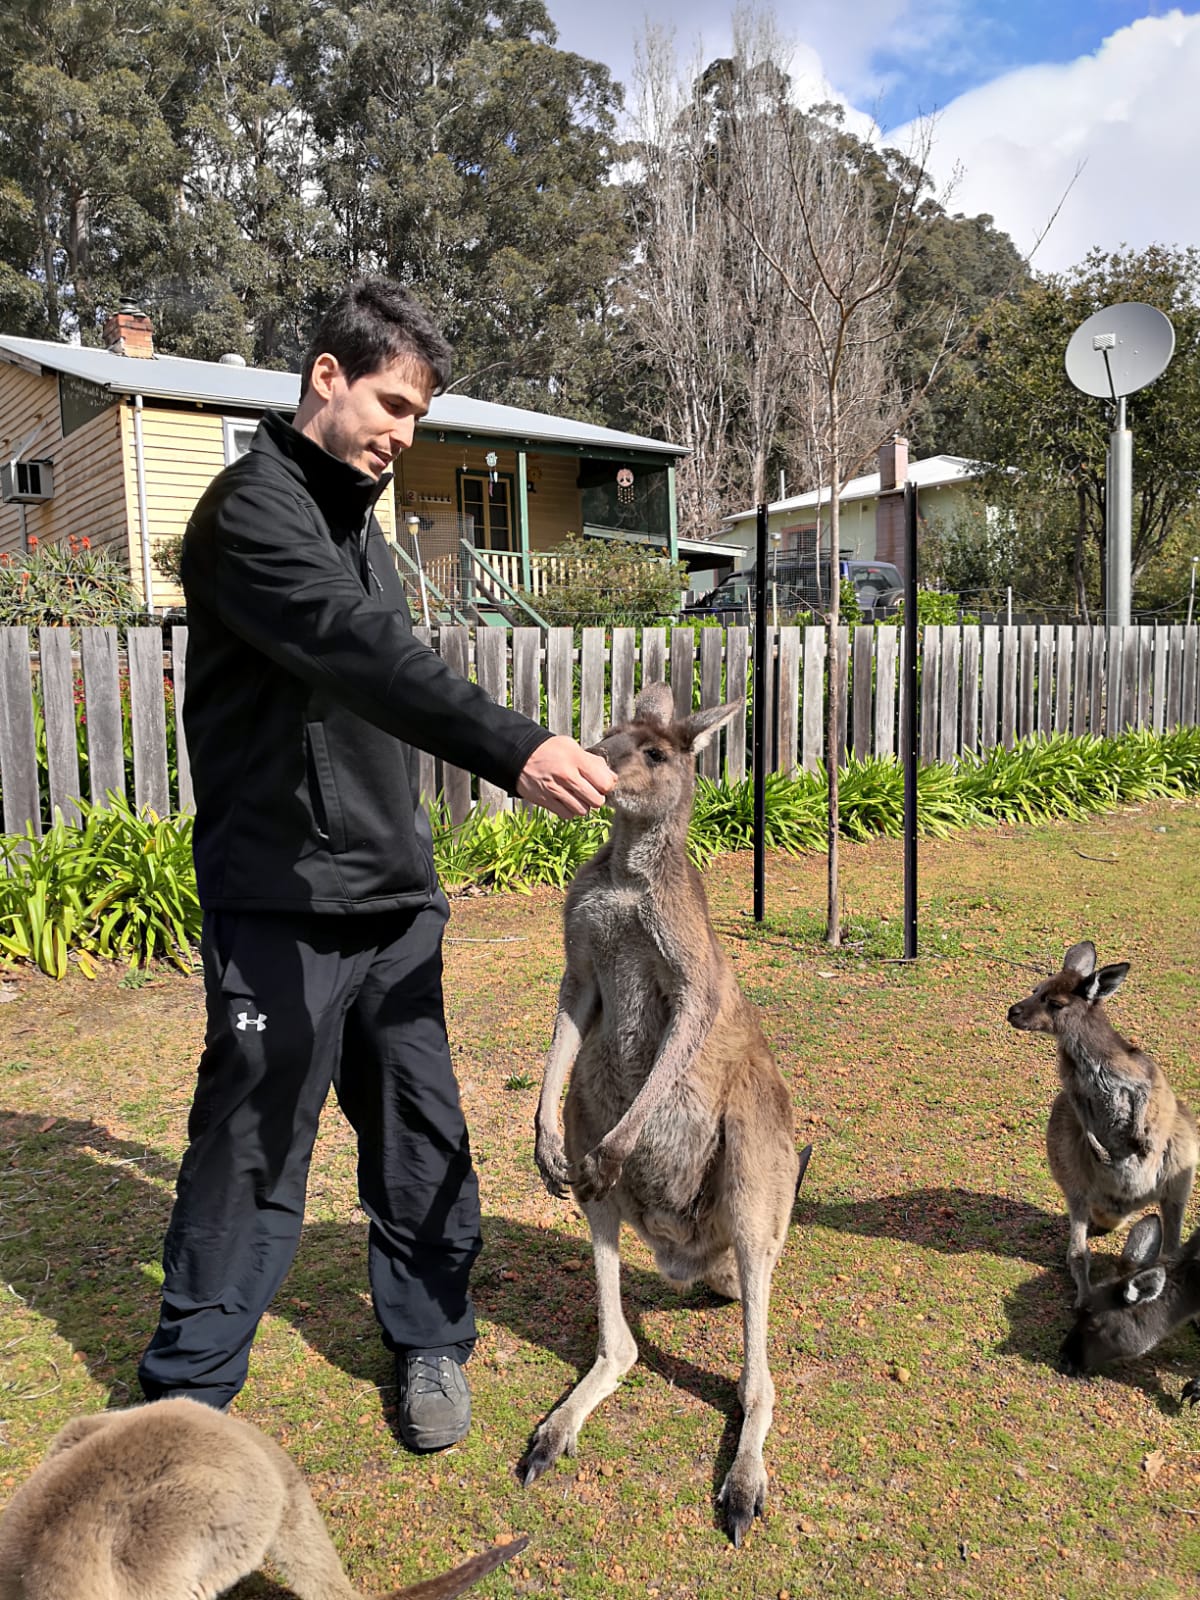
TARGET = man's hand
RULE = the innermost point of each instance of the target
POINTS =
(565, 778)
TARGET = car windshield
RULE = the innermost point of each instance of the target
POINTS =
(876, 575)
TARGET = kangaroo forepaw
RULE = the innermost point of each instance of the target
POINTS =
(549, 1442)
(743, 1496)
(597, 1173)
(552, 1164)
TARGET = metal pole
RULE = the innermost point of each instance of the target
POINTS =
(414, 528)
(1192, 591)
(1118, 520)
(759, 725)
(908, 722)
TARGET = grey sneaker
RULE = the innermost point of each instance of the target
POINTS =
(433, 1402)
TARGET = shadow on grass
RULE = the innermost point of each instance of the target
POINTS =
(529, 1281)
(88, 1210)
(91, 1210)
(954, 1221)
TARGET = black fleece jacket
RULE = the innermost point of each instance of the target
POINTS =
(306, 691)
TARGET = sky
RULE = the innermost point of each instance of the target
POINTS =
(1085, 108)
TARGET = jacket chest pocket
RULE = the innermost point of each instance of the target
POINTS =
(322, 784)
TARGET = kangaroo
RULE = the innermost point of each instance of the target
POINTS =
(677, 1120)
(176, 1501)
(1117, 1139)
(1137, 1310)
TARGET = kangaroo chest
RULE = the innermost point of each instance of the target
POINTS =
(616, 926)
(1106, 1101)
(639, 987)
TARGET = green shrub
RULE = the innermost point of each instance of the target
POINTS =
(71, 585)
(936, 607)
(611, 581)
(122, 886)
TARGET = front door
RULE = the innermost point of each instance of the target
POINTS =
(488, 503)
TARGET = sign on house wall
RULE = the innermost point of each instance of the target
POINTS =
(79, 401)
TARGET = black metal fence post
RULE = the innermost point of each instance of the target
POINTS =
(759, 723)
(908, 722)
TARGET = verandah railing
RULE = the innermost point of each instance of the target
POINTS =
(80, 704)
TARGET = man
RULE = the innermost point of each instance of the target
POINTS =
(323, 919)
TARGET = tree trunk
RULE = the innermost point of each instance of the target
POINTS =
(1081, 604)
(833, 923)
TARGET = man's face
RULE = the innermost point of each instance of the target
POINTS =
(368, 422)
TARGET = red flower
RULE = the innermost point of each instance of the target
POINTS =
(32, 541)
(86, 542)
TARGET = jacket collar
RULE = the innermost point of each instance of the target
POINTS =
(343, 493)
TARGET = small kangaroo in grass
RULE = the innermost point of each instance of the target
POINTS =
(1117, 1139)
(1135, 1311)
(677, 1120)
(176, 1501)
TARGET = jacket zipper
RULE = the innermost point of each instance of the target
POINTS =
(366, 569)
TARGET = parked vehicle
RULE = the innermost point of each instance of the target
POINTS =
(797, 585)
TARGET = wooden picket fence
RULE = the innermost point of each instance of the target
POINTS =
(979, 687)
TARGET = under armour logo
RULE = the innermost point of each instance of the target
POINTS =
(245, 1020)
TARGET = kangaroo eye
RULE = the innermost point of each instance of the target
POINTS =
(655, 755)
(1057, 1005)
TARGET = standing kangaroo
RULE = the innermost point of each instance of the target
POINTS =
(176, 1501)
(1117, 1139)
(1132, 1313)
(677, 1120)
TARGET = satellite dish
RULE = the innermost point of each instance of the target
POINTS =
(1120, 349)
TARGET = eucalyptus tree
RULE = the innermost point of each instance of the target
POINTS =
(87, 161)
(462, 152)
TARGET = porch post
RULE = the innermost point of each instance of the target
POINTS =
(672, 516)
(523, 521)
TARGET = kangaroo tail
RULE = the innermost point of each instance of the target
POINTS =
(453, 1583)
(805, 1157)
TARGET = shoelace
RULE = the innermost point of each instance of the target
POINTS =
(429, 1375)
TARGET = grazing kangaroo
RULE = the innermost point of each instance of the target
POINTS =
(176, 1501)
(1135, 1311)
(1117, 1139)
(677, 1120)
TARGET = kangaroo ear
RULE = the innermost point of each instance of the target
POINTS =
(656, 703)
(1144, 1243)
(1108, 980)
(1144, 1286)
(1081, 958)
(702, 727)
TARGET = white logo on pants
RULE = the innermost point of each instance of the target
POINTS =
(245, 1020)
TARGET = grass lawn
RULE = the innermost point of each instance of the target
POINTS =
(923, 1443)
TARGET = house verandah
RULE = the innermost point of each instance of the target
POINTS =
(123, 442)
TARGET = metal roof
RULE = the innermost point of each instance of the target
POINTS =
(930, 473)
(210, 383)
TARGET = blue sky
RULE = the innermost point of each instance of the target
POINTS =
(981, 40)
(1085, 111)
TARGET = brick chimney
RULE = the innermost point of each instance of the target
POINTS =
(893, 463)
(889, 507)
(128, 331)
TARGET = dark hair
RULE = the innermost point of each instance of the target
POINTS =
(371, 322)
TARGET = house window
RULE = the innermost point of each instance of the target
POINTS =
(238, 434)
(488, 503)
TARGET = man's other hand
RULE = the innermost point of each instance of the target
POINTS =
(565, 778)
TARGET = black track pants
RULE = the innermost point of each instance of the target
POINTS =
(294, 1004)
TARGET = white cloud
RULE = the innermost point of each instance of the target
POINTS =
(1128, 115)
